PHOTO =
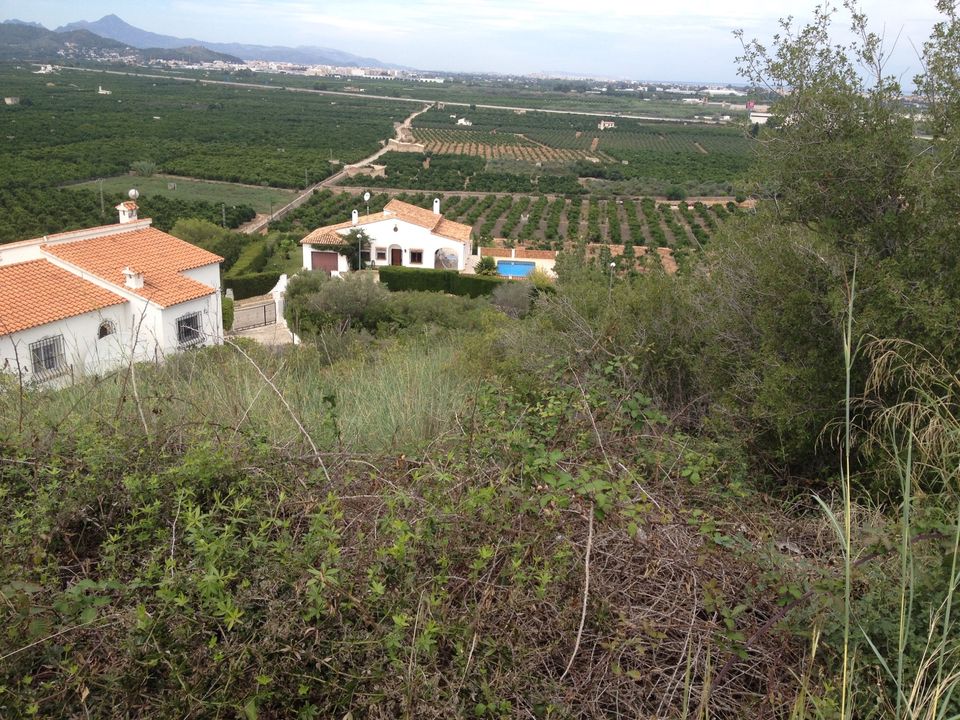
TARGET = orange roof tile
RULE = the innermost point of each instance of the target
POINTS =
(453, 230)
(37, 292)
(159, 256)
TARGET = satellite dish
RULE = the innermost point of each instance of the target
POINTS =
(366, 197)
(133, 194)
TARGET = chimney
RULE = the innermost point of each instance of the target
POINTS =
(132, 278)
(436, 206)
(355, 217)
(128, 212)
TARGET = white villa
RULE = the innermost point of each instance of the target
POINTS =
(86, 301)
(403, 234)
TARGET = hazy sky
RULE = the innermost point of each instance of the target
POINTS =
(666, 40)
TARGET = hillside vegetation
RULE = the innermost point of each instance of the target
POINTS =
(727, 493)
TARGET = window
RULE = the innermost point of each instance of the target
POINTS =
(47, 358)
(381, 253)
(106, 328)
(188, 329)
(416, 257)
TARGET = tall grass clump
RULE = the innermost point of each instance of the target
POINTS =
(402, 398)
(898, 644)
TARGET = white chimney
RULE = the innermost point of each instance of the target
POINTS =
(436, 206)
(128, 211)
(132, 279)
(355, 217)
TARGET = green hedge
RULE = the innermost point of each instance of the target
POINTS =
(448, 281)
(251, 284)
(475, 285)
(226, 307)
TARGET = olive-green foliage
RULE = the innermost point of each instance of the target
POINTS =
(219, 550)
(353, 299)
(513, 299)
(396, 278)
(315, 303)
(226, 307)
(251, 284)
(486, 265)
(214, 238)
(449, 281)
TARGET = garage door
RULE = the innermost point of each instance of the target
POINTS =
(324, 261)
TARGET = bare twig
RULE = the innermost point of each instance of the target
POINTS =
(586, 594)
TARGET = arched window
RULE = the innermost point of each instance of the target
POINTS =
(106, 328)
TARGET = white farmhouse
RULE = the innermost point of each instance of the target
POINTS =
(87, 301)
(463, 121)
(403, 234)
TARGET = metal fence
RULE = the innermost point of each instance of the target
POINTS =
(251, 316)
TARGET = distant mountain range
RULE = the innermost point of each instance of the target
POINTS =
(112, 27)
(33, 42)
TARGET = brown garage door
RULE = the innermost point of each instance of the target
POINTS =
(323, 261)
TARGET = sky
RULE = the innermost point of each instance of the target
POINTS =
(685, 40)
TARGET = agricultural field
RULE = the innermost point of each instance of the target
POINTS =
(634, 158)
(261, 199)
(536, 220)
(63, 133)
(523, 92)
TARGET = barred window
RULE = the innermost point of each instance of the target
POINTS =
(188, 329)
(47, 358)
(416, 257)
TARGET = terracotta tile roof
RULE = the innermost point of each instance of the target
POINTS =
(399, 210)
(159, 256)
(327, 237)
(453, 230)
(37, 292)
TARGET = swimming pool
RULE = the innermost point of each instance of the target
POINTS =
(515, 268)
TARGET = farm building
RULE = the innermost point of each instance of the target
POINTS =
(87, 301)
(463, 121)
(606, 125)
(402, 234)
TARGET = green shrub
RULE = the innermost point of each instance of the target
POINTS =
(226, 308)
(402, 278)
(251, 284)
(475, 285)
(486, 266)
(514, 299)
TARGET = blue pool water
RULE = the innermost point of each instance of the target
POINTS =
(515, 268)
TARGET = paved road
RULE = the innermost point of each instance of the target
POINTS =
(405, 125)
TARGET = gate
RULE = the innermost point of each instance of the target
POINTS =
(251, 316)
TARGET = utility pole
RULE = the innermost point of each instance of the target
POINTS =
(223, 209)
(102, 210)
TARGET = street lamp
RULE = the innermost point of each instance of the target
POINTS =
(610, 286)
(366, 199)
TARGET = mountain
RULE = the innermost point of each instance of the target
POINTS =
(23, 41)
(14, 21)
(111, 26)
(19, 41)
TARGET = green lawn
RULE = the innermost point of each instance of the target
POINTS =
(214, 192)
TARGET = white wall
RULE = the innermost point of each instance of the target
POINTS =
(210, 323)
(410, 237)
(343, 263)
(83, 351)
